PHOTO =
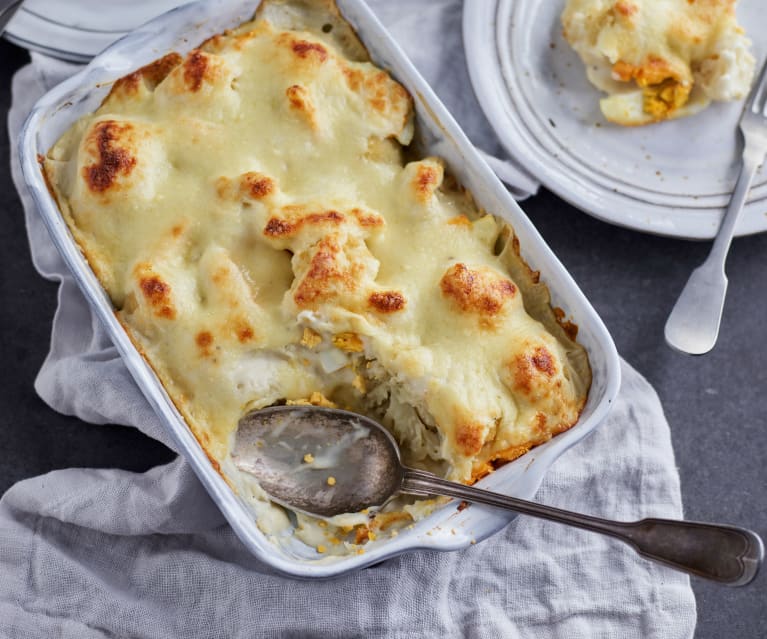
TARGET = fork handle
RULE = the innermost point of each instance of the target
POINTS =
(693, 325)
(752, 159)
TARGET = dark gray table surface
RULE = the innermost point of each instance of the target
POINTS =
(716, 404)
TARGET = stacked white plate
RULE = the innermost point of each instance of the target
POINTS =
(77, 30)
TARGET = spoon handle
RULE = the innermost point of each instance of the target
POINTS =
(726, 554)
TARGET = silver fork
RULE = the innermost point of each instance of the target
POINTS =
(693, 325)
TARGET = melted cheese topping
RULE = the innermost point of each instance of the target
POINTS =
(265, 235)
(660, 59)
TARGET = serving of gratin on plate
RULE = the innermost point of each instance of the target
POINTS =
(660, 59)
(566, 85)
(267, 235)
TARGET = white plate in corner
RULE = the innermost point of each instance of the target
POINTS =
(76, 30)
(671, 178)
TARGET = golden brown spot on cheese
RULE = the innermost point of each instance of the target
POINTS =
(476, 291)
(157, 293)
(204, 340)
(378, 86)
(379, 89)
(387, 301)
(280, 227)
(543, 361)
(276, 227)
(155, 290)
(367, 218)
(459, 220)
(194, 69)
(378, 103)
(251, 185)
(127, 86)
(527, 366)
(220, 275)
(562, 426)
(469, 438)
(426, 180)
(241, 40)
(256, 185)
(306, 49)
(113, 159)
(296, 94)
(223, 187)
(626, 9)
(244, 332)
(540, 422)
(300, 101)
(151, 75)
(354, 78)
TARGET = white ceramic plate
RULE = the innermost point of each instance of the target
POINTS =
(77, 30)
(671, 178)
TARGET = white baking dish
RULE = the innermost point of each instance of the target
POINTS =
(447, 528)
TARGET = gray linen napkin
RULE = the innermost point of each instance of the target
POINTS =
(109, 553)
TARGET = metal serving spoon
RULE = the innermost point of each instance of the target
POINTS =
(326, 462)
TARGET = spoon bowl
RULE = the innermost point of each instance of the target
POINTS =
(320, 461)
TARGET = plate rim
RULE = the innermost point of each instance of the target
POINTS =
(81, 51)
